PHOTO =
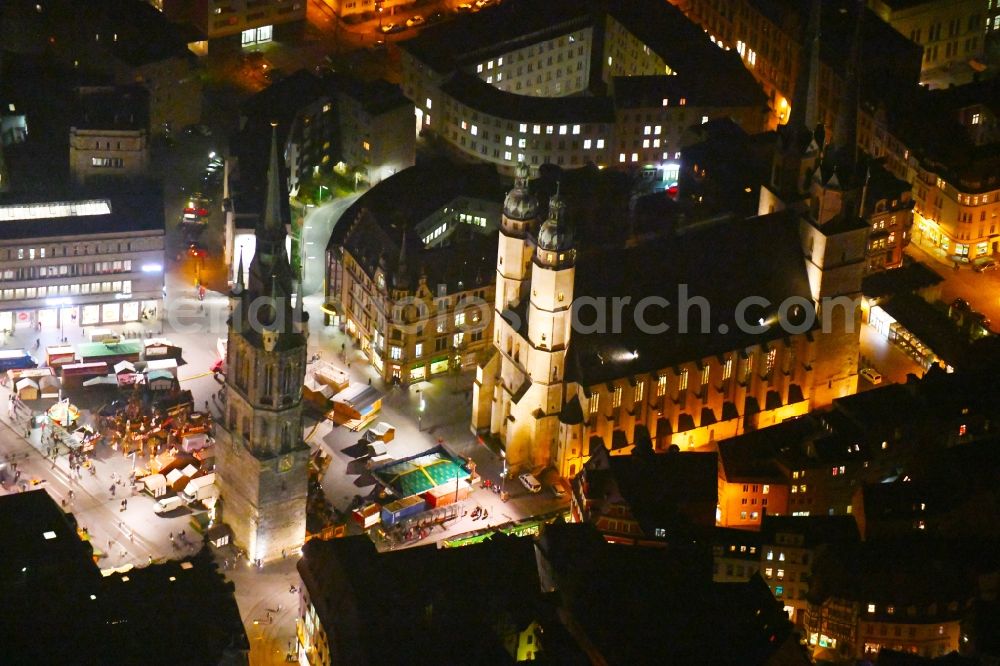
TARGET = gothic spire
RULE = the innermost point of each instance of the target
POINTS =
(272, 208)
(847, 118)
(240, 286)
(805, 102)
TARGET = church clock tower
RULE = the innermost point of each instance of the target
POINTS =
(261, 456)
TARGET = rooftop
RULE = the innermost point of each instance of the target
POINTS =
(109, 108)
(23, 217)
(376, 226)
(908, 278)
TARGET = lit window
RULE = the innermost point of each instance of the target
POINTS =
(506, 155)
(521, 143)
(489, 65)
(704, 119)
(647, 129)
(657, 130)
(610, 60)
(645, 143)
(366, 145)
(594, 402)
(661, 385)
(465, 125)
(523, 127)
(549, 129)
(682, 382)
(395, 353)
(781, 557)
(520, 156)
(428, 103)
(656, 143)
(616, 397)
(586, 144)
(509, 141)
(479, 67)
(666, 101)
(499, 62)
(537, 129)
(766, 489)
(600, 143)
(474, 131)
(635, 157)
(770, 554)
(768, 572)
(781, 574)
(975, 118)
(576, 129)
(871, 608)
(563, 129)
(460, 319)
(621, 158)
(890, 609)
(683, 101)
(418, 349)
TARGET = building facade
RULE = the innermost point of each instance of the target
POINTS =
(66, 265)
(520, 99)
(951, 33)
(110, 134)
(772, 40)
(416, 291)
(253, 20)
(262, 459)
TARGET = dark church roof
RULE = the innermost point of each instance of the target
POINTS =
(723, 263)
(376, 226)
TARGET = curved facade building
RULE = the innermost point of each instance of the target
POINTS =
(573, 83)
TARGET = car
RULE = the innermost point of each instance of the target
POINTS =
(557, 492)
(482, 4)
(416, 19)
(219, 366)
(167, 504)
(197, 251)
(529, 481)
(465, 7)
(390, 27)
(274, 74)
(872, 376)
(983, 264)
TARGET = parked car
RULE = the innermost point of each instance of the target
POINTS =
(166, 504)
(529, 481)
(983, 264)
(872, 376)
(196, 250)
(416, 19)
(390, 28)
(557, 492)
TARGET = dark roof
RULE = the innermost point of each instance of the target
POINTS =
(107, 108)
(908, 278)
(929, 324)
(654, 485)
(477, 94)
(374, 96)
(469, 37)
(130, 212)
(25, 518)
(374, 226)
(724, 263)
(178, 612)
(658, 605)
(697, 89)
(442, 605)
(750, 462)
(815, 530)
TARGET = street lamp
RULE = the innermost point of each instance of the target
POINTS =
(319, 193)
(420, 412)
(379, 8)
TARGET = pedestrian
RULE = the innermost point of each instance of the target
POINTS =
(112, 490)
(171, 537)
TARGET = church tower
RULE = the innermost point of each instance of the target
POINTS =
(553, 273)
(261, 456)
(834, 240)
(514, 251)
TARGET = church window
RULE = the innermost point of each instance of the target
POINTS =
(595, 401)
(268, 380)
(395, 353)
(682, 383)
(616, 397)
(705, 375)
(770, 360)
(727, 369)
(661, 386)
(638, 391)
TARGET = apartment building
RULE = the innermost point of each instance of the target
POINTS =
(110, 134)
(409, 270)
(254, 21)
(557, 84)
(70, 264)
(950, 32)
